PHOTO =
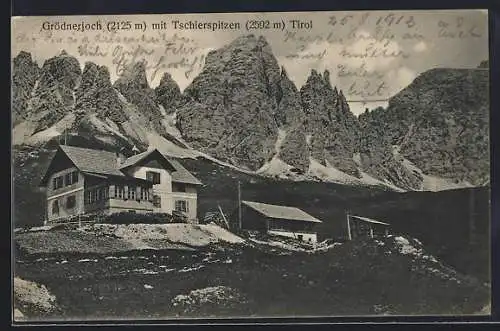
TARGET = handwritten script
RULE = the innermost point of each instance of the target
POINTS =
(365, 44)
(362, 49)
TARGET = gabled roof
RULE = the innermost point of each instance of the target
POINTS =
(282, 212)
(135, 159)
(99, 162)
(179, 175)
(92, 160)
(369, 220)
(182, 175)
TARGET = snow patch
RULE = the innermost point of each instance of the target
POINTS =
(187, 269)
(308, 139)
(218, 295)
(434, 184)
(168, 122)
(189, 234)
(105, 128)
(429, 182)
(22, 130)
(276, 168)
(329, 173)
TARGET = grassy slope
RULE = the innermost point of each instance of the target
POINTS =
(357, 278)
(441, 220)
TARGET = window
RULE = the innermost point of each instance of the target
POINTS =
(55, 207)
(119, 192)
(96, 194)
(131, 193)
(181, 205)
(156, 201)
(71, 178)
(58, 182)
(153, 177)
(68, 179)
(71, 202)
(144, 194)
(180, 187)
(74, 175)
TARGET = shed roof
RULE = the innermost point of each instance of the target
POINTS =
(369, 220)
(281, 212)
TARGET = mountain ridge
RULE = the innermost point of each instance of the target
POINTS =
(243, 109)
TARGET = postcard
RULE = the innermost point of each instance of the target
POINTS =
(251, 165)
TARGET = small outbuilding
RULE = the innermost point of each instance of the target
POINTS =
(278, 220)
(359, 226)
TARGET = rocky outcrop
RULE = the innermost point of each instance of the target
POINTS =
(332, 127)
(53, 95)
(376, 157)
(244, 109)
(440, 123)
(290, 117)
(168, 94)
(294, 150)
(231, 104)
(25, 73)
(96, 94)
(134, 87)
(289, 112)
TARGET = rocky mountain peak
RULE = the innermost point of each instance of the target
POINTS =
(244, 109)
(135, 75)
(283, 74)
(168, 93)
(332, 126)
(236, 89)
(53, 94)
(96, 94)
(25, 72)
(133, 86)
(65, 69)
(24, 58)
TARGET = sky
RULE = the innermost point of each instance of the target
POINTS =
(371, 55)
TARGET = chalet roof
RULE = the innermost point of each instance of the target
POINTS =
(180, 175)
(134, 159)
(99, 162)
(282, 212)
(369, 220)
(93, 160)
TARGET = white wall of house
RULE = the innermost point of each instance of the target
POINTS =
(306, 236)
(191, 199)
(61, 195)
(163, 190)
